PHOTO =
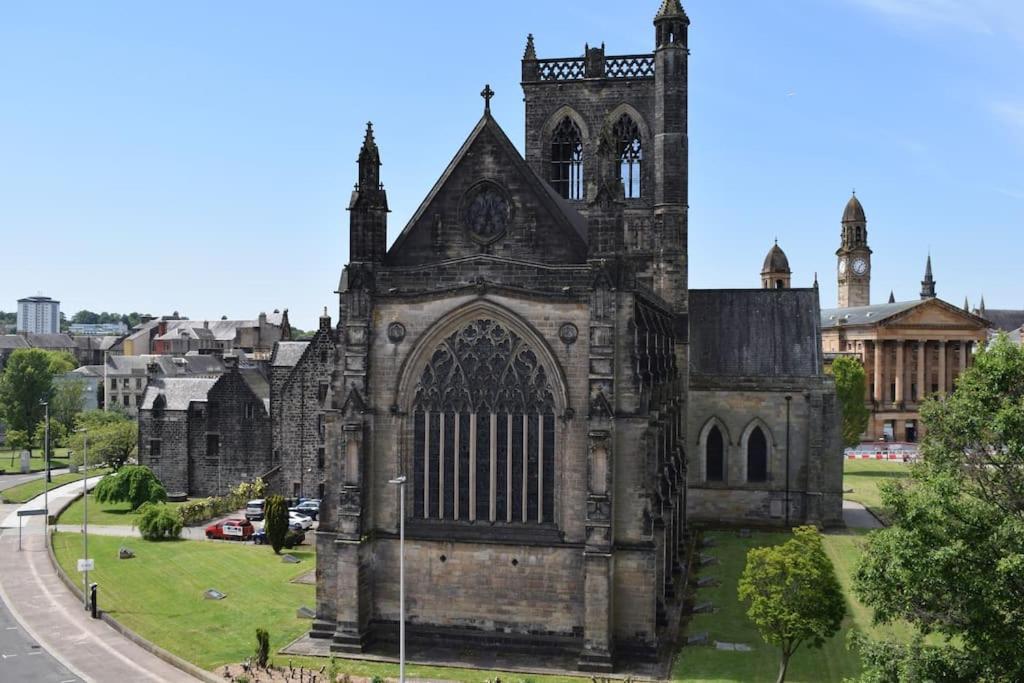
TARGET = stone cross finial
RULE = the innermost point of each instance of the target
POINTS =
(487, 94)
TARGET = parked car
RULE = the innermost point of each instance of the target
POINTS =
(231, 529)
(299, 522)
(309, 507)
(254, 509)
(292, 539)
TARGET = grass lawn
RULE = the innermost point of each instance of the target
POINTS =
(729, 622)
(110, 514)
(30, 489)
(11, 460)
(865, 477)
(159, 595)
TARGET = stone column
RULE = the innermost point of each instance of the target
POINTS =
(899, 370)
(942, 366)
(922, 354)
(878, 371)
(963, 358)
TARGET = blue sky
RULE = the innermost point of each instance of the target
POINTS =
(198, 156)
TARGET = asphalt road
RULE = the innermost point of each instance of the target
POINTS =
(22, 659)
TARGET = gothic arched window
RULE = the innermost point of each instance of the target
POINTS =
(630, 150)
(484, 430)
(757, 456)
(715, 455)
(567, 159)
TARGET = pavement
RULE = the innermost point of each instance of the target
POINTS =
(23, 659)
(857, 516)
(11, 480)
(50, 616)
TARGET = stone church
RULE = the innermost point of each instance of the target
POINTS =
(528, 354)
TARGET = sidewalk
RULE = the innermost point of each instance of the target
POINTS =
(31, 589)
(57, 497)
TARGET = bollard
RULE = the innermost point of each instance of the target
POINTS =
(92, 601)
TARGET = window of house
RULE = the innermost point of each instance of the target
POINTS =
(567, 160)
(113, 384)
(138, 382)
(296, 489)
(154, 447)
(125, 400)
(484, 430)
(125, 382)
(321, 427)
(714, 456)
(212, 445)
(630, 150)
(250, 411)
(320, 457)
(757, 456)
(138, 399)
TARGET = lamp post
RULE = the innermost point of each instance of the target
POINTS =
(85, 514)
(400, 482)
(46, 465)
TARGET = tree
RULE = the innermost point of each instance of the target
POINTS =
(158, 523)
(113, 437)
(850, 383)
(275, 515)
(952, 561)
(85, 317)
(67, 402)
(58, 435)
(26, 382)
(794, 595)
(134, 484)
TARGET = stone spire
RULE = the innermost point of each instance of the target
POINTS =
(892, 296)
(530, 52)
(670, 8)
(981, 306)
(928, 283)
(369, 162)
(967, 306)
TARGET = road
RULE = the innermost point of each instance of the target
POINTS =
(23, 659)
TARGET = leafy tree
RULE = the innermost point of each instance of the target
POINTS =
(17, 440)
(26, 382)
(850, 386)
(953, 560)
(134, 484)
(158, 523)
(61, 362)
(794, 595)
(67, 402)
(914, 662)
(58, 435)
(85, 317)
(113, 437)
(275, 522)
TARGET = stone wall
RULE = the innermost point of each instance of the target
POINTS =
(170, 429)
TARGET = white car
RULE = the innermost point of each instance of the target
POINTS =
(299, 522)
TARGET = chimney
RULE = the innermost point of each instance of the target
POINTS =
(230, 362)
(325, 321)
(152, 369)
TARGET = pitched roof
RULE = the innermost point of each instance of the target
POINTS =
(88, 371)
(755, 332)
(13, 341)
(258, 383)
(287, 354)
(864, 315)
(178, 392)
(1005, 318)
(51, 341)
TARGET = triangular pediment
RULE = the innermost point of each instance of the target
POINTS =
(935, 313)
(488, 200)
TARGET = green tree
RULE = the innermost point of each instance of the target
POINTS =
(275, 522)
(134, 484)
(952, 561)
(850, 386)
(58, 435)
(67, 402)
(85, 317)
(26, 382)
(113, 437)
(158, 523)
(794, 595)
(17, 440)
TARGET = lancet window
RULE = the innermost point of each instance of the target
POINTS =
(567, 159)
(630, 150)
(715, 456)
(757, 456)
(484, 430)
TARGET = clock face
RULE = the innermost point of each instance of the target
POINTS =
(842, 266)
(860, 266)
(486, 212)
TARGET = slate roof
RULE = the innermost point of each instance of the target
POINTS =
(1017, 336)
(1005, 318)
(13, 341)
(51, 341)
(178, 392)
(864, 315)
(88, 371)
(258, 383)
(854, 212)
(776, 261)
(755, 333)
(287, 354)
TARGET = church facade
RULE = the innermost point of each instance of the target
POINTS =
(521, 355)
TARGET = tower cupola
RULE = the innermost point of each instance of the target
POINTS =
(775, 273)
(670, 25)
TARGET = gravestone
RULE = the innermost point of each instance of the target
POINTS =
(125, 553)
(698, 638)
(305, 613)
(213, 594)
(290, 559)
(734, 647)
(704, 608)
(707, 581)
(26, 459)
(706, 560)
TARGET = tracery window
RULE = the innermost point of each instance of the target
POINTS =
(714, 455)
(567, 159)
(757, 456)
(630, 150)
(484, 430)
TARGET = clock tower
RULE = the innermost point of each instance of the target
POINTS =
(854, 257)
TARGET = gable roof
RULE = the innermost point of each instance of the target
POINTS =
(755, 333)
(1005, 318)
(13, 341)
(287, 354)
(875, 314)
(570, 220)
(178, 392)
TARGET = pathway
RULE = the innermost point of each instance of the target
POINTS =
(11, 480)
(857, 516)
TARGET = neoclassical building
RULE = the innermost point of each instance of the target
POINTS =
(910, 349)
(522, 354)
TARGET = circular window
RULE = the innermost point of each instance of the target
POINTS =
(487, 212)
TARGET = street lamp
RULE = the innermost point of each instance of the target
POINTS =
(85, 514)
(46, 465)
(400, 482)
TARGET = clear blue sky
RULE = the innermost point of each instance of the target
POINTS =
(199, 156)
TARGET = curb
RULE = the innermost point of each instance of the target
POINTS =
(155, 650)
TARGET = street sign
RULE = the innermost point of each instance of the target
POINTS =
(86, 565)
(30, 513)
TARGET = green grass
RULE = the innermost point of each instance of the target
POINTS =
(729, 622)
(865, 477)
(30, 489)
(11, 460)
(159, 595)
(102, 514)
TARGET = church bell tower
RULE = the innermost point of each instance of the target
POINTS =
(854, 257)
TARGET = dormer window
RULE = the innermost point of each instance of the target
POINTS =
(567, 160)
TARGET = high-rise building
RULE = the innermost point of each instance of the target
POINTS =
(38, 315)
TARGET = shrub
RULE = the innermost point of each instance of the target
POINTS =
(157, 522)
(292, 539)
(276, 522)
(133, 484)
(262, 648)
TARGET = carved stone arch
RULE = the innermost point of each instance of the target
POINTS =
(745, 442)
(413, 366)
(702, 443)
(641, 123)
(556, 118)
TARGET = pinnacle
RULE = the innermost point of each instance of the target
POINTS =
(670, 8)
(531, 52)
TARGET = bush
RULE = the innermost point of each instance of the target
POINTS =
(262, 648)
(196, 511)
(293, 538)
(276, 522)
(158, 523)
(134, 484)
